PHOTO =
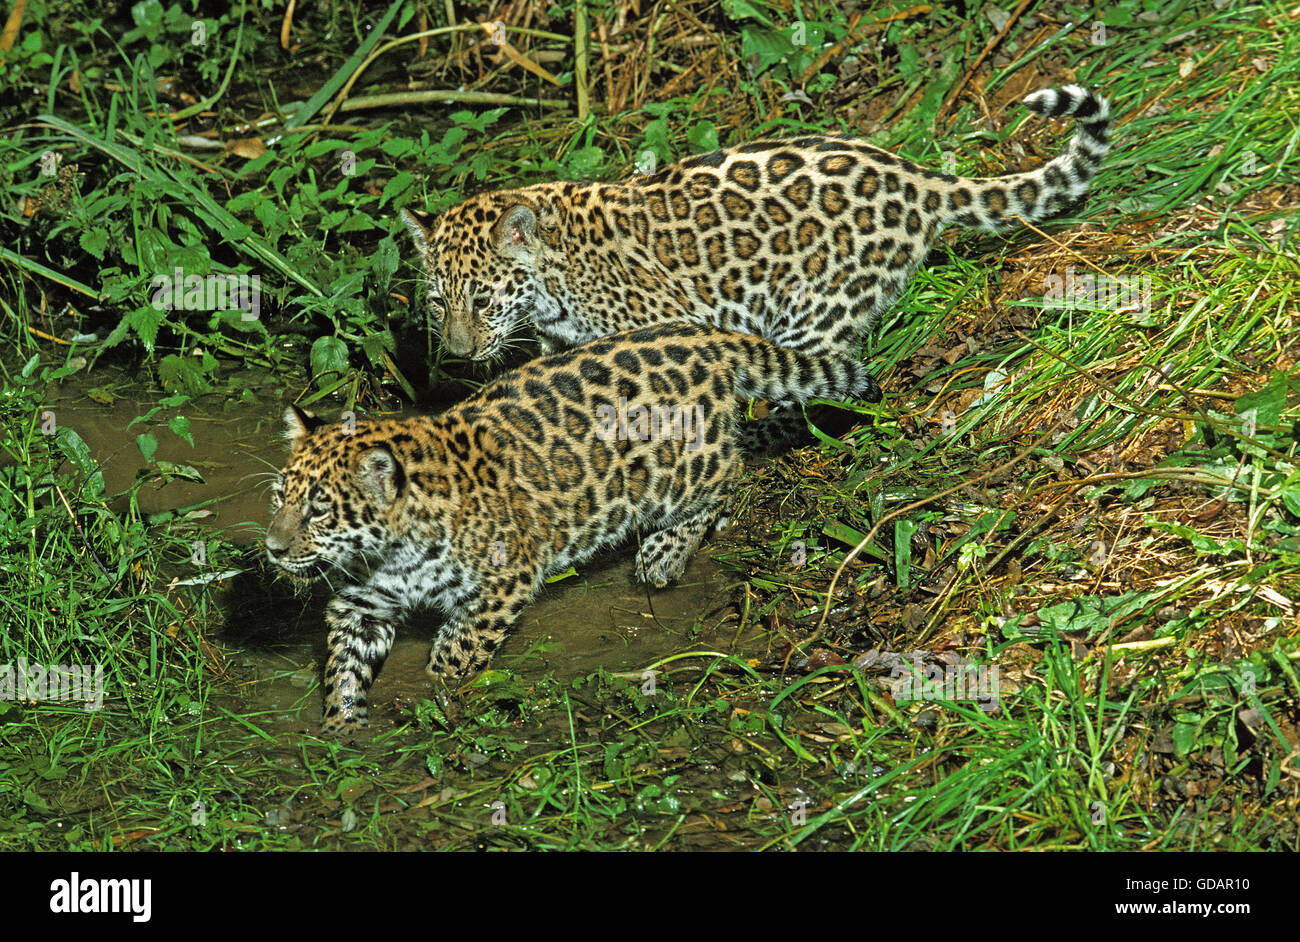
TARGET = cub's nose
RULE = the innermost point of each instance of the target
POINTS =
(276, 546)
(457, 340)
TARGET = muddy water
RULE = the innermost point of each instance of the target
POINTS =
(598, 618)
(236, 445)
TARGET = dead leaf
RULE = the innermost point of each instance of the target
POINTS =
(418, 786)
(822, 658)
(120, 839)
(249, 148)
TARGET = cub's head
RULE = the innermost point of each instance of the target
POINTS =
(481, 263)
(331, 503)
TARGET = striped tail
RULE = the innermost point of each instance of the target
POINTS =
(783, 376)
(994, 201)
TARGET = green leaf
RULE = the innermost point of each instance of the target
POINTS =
(763, 48)
(1184, 736)
(585, 161)
(332, 220)
(94, 241)
(903, 530)
(374, 345)
(35, 802)
(148, 18)
(352, 787)
(396, 186)
(1090, 614)
(703, 136)
(1267, 403)
(1136, 489)
(499, 686)
(328, 355)
(478, 122)
(744, 10)
(385, 261)
(356, 222)
(76, 451)
(190, 374)
(397, 146)
(656, 139)
(909, 60)
(843, 533)
(148, 445)
(1202, 544)
(180, 427)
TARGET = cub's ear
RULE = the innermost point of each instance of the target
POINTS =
(298, 424)
(515, 230)
(420, 226)
(380, 475)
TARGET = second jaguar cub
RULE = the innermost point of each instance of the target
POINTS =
(805, 241)
(631, 437)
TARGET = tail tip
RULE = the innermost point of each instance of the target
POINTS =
(1068, 100)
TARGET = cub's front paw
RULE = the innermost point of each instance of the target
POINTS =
(440, 670)
(343, 727)
(456, 660)
(346, 711)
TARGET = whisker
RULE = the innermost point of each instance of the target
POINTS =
(262, 478)
(274, 469)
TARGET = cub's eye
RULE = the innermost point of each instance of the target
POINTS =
(318, 509)
(434, 300)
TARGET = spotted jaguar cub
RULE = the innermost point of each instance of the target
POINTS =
(805, 241)
(631, 437)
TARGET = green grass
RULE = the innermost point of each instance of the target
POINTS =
(1128, 569)
(1084, 385)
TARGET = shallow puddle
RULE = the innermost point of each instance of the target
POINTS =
(233, 452)
(598, 619)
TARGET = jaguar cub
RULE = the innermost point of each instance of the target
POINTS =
(805, 241)
(633, 436)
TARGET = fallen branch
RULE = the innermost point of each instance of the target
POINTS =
(476, 98)
(1151, 644)
(422, 37)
